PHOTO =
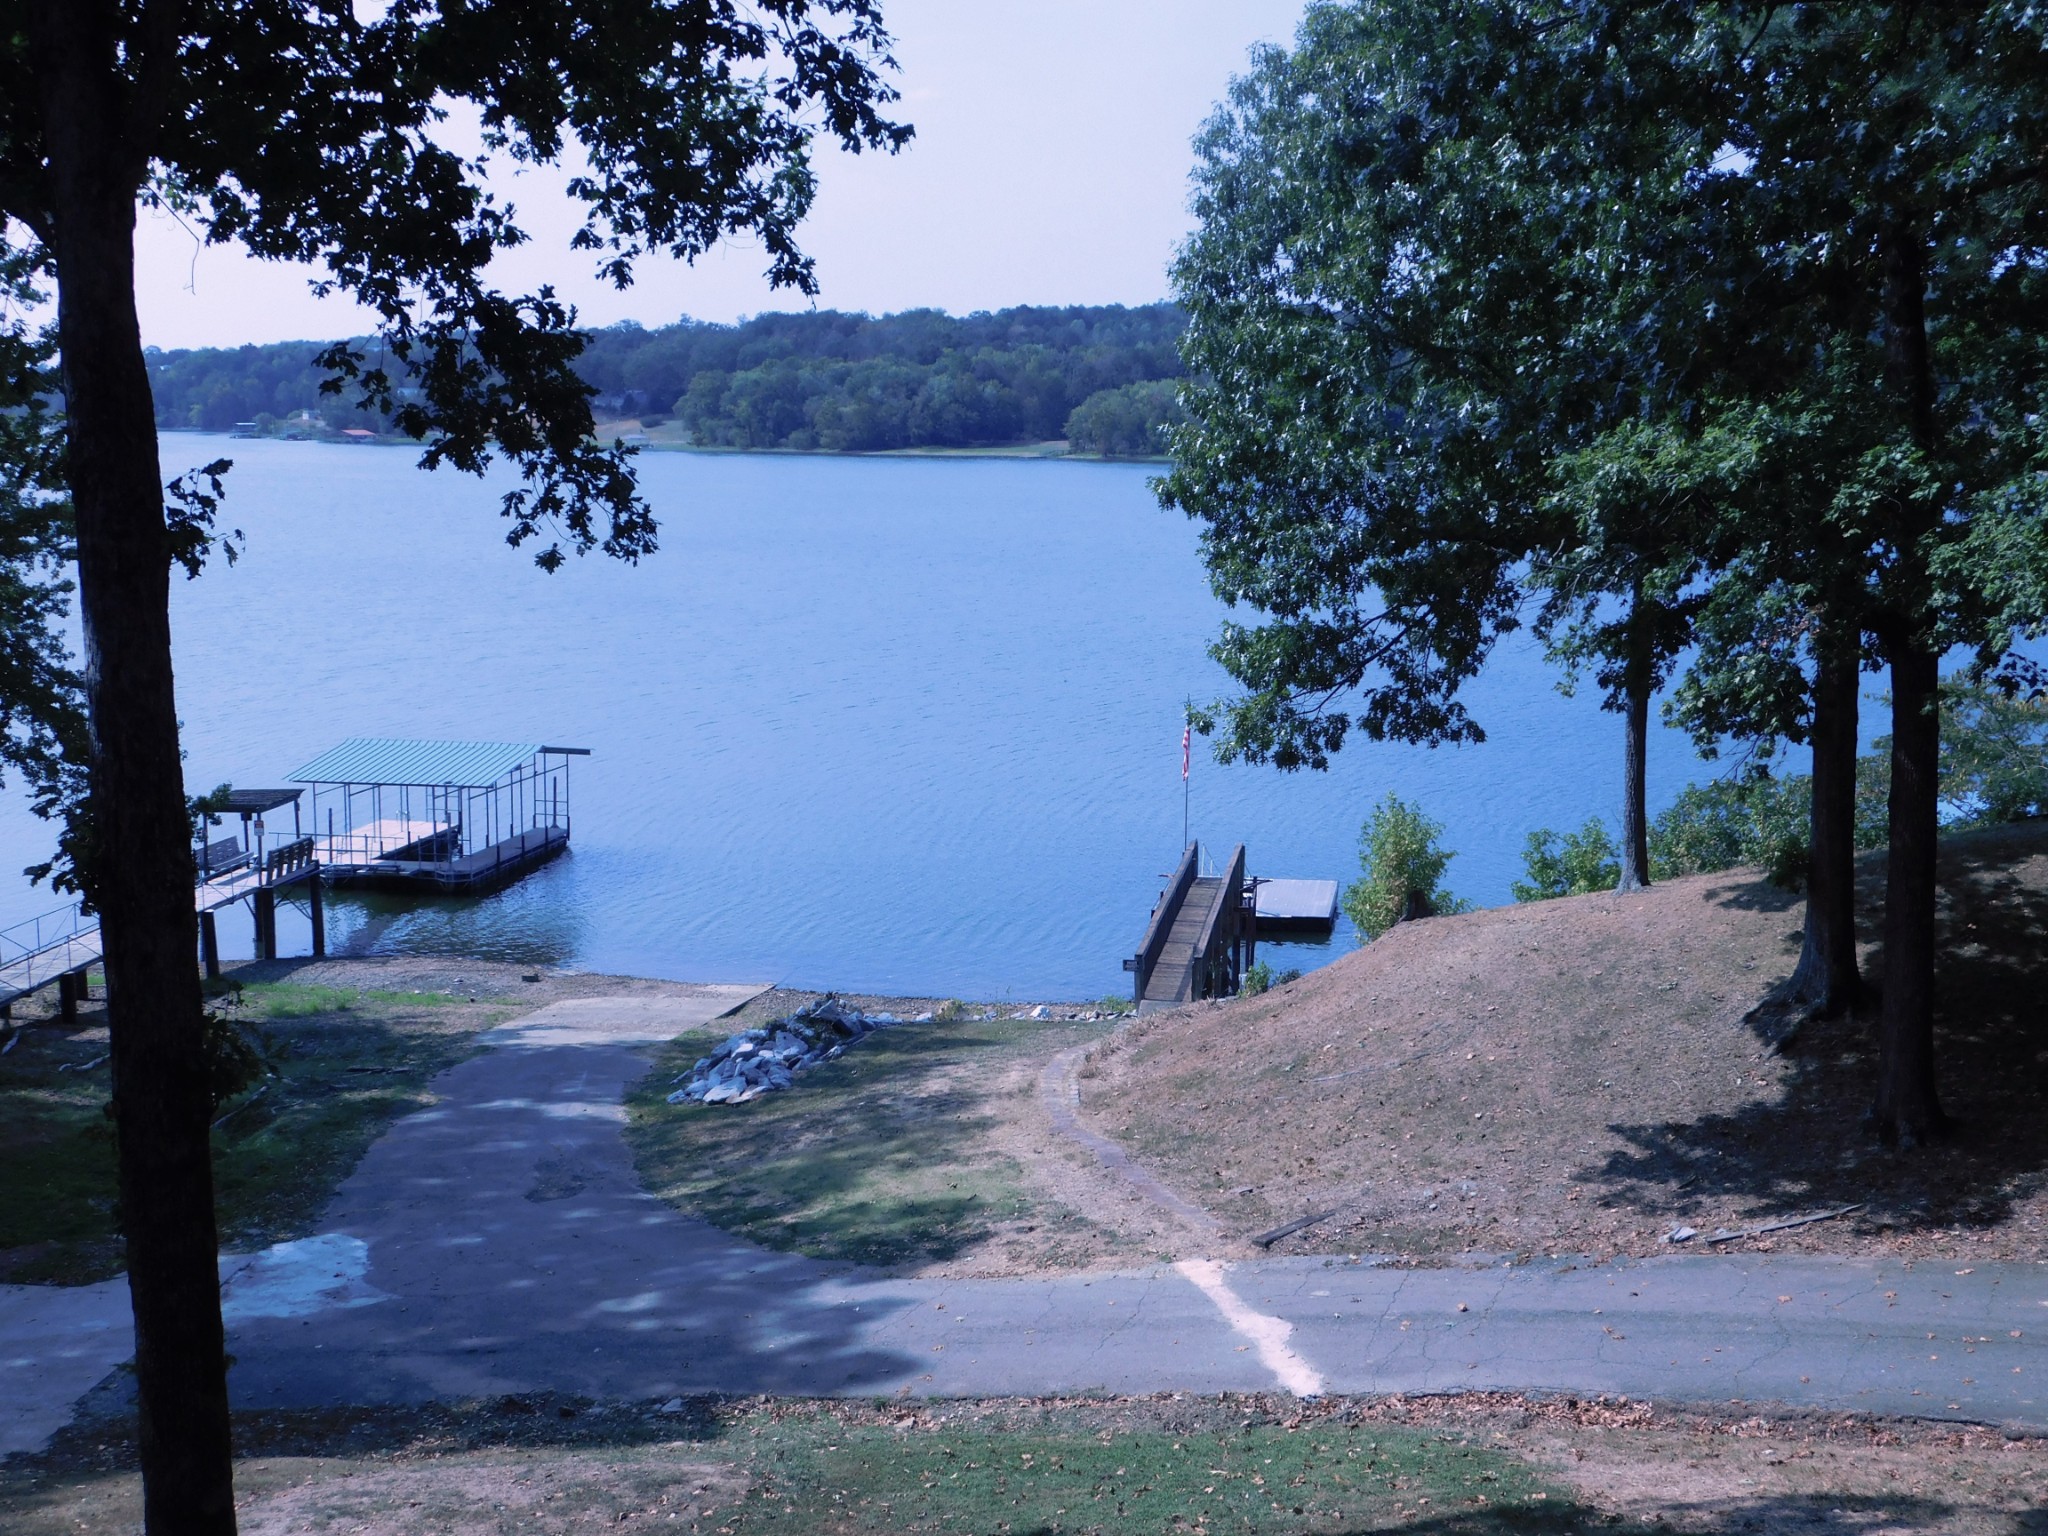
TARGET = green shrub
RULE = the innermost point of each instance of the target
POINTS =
(1573, 864)
(1994, 753)
(1261, 977)
(1874, 800)
(236, 1057)
(1994, 761)
(1402, 869)
(1757, 819)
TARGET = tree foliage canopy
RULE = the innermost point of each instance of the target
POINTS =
(311, 133)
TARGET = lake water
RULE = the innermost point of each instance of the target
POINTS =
(888, 725)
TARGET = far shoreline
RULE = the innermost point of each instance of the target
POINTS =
(1043, 453)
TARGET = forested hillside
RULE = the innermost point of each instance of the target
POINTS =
(818, 380)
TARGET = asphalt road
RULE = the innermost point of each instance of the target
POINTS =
(500, 1243)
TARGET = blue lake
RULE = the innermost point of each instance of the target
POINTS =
(888, 725)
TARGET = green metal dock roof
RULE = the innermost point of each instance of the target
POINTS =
(439, 764)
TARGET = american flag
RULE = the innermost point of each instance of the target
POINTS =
(1187, 736)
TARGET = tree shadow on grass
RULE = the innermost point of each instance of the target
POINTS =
(1810, 1148)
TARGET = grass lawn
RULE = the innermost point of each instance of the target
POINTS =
(1482, 1464)
(346, 1063)
(790, 1469)
(899, 1153)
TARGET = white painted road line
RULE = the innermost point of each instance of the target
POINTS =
(1268, 1335)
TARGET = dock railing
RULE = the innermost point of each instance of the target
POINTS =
(34, 952)
(1213, 966)
(1157, 931)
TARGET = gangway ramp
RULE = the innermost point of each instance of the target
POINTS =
(45, 949)
(1200, 939)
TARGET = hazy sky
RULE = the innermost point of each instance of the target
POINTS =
(1050, 167)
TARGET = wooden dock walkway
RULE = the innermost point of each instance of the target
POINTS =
(1201, 936)
(66, 943)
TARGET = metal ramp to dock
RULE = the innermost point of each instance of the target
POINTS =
(60, 946)
(1201, 936)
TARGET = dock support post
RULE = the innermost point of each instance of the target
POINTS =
(209, 945)
(266, 925)
(319, 918)
(67, 996)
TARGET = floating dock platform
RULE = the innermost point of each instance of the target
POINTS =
(1297, 907)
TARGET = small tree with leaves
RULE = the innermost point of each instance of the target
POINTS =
(1402, 862)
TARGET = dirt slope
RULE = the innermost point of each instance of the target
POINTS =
(1576, 1077)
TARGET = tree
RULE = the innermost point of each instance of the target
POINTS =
(1427, 275)
(42, 704)
(306, 132)
(1452, 257)
(1883, 209)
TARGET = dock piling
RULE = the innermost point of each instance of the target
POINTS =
(319, 913)
(209, 946)
(266, 925)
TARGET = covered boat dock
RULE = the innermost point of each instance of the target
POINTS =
(459, 816)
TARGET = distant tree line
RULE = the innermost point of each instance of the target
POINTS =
(1101, 377)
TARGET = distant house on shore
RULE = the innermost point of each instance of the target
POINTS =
(359, 434)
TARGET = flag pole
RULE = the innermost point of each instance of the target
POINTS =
(1186, 748)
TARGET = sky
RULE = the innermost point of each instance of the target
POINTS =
(1050, 167)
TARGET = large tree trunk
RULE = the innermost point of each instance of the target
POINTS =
(1907, 1110)
(1827, 983)
(1635, 799)
(142, 868)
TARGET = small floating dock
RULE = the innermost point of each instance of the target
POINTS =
(457, 816)
(1307, 908)
(1200, 940)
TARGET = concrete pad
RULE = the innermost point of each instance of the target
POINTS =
(633, 1020)
(56, 1345)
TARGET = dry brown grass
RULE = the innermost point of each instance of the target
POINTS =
(1576, 1076)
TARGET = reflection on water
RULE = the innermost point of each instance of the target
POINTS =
(886, 725)
(525, 924)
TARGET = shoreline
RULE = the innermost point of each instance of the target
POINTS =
(1021, 452)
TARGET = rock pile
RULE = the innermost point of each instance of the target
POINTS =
(763, 1060)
